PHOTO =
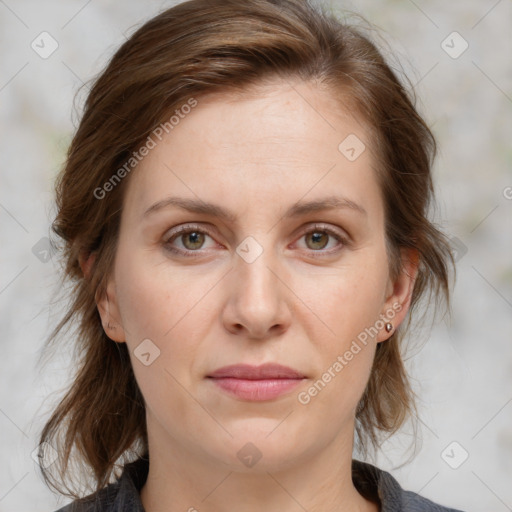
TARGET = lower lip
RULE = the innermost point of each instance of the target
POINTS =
(256, 390)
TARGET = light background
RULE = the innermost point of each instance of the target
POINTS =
(463, 373)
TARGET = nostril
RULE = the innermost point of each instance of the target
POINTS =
(277, 328)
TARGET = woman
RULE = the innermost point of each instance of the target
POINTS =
(244, 216)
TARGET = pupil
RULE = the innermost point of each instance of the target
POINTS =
(317, 237)
(194, 239)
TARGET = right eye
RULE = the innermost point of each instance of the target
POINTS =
(186, 239)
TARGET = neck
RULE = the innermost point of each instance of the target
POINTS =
(183, 479)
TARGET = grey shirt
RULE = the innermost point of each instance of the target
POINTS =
(371, 482)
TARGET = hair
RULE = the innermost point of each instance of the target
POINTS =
(195, 48)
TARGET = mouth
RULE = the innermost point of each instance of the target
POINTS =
(256, 383)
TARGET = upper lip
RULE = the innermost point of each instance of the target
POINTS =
(264, 371)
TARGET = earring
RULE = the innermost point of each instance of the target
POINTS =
(388, 327)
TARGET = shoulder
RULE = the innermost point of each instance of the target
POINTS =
(101, 501)
(380, 486)
(416, 503)
(120, 496)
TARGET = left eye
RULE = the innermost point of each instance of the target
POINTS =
(319, 238)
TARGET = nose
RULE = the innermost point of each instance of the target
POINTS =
(258, 304)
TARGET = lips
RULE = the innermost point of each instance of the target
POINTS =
(263, 372)
(256, 383)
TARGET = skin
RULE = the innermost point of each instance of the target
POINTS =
(255, 155)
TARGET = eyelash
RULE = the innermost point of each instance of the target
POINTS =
(182, 230)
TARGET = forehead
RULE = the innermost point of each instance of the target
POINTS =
(278, 110)
(280, 137)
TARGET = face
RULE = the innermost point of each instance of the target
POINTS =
(250, 236)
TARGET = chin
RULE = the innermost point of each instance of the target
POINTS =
(260, 449)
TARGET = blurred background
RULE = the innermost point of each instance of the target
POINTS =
(457, 56)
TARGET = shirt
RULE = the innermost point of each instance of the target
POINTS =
(371, 482)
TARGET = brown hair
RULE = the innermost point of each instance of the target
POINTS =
(216, 46)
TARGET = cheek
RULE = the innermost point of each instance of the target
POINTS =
(348, 303)
(170, 307)
(152, 297)
(347, 351)
(347, 300)
(165, 307)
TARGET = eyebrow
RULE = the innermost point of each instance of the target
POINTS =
(299, 208)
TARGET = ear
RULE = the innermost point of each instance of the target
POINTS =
(399, 294)
(107, 303)
(109, 312)
(85, 260)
